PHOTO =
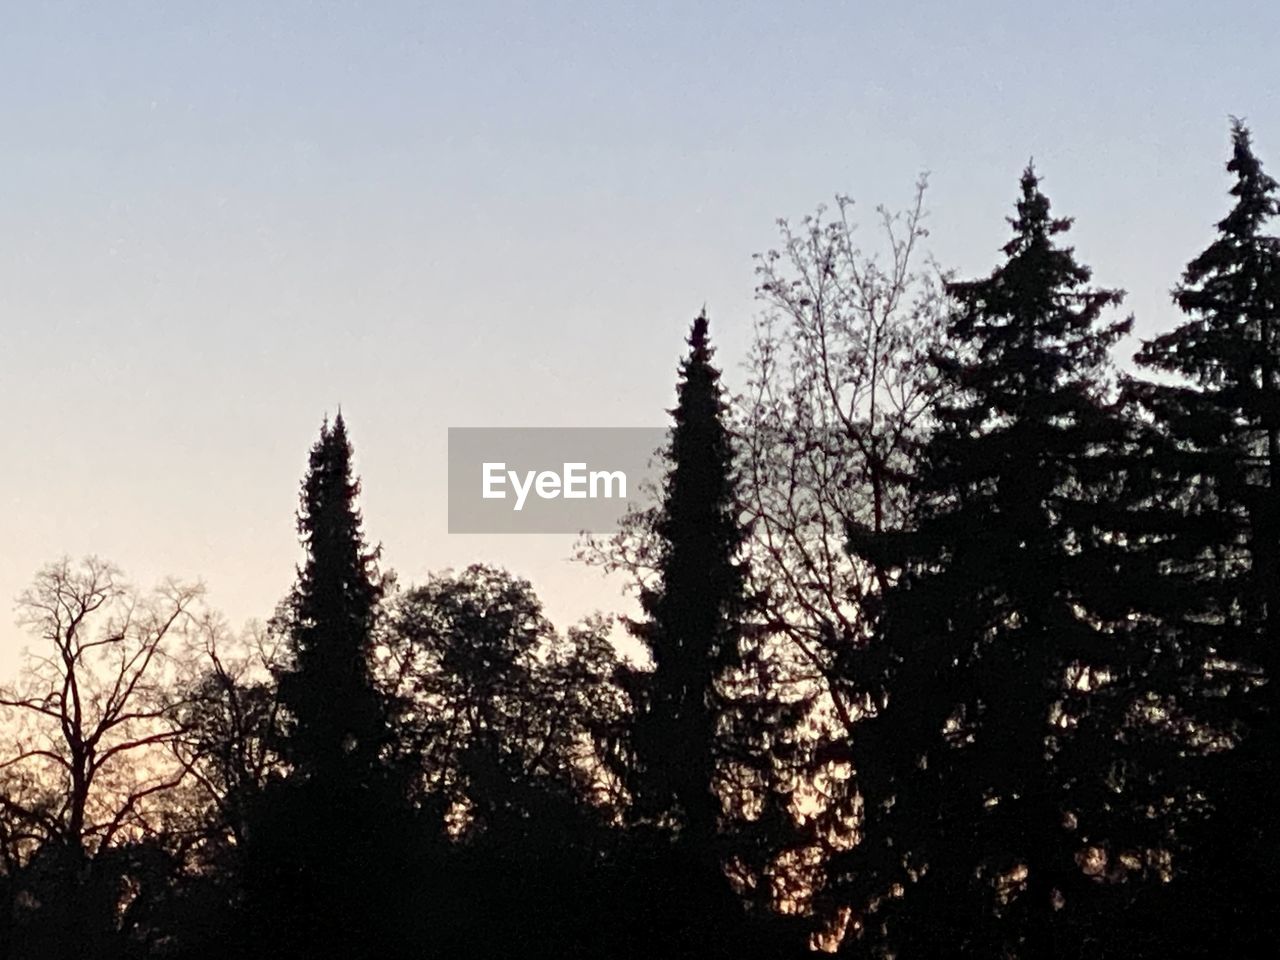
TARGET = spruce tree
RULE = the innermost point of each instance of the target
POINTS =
(995, 653)
(694, 614)
(327, 853)
(699, 730)
(1224, 411)
(338, 725)
(1214, 441)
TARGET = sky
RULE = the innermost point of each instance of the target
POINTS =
(219, 222)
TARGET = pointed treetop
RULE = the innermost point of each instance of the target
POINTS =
(1229, 290)
(700, 349)
(1242, 158)
(1254, 189)
(1032, 224)
(1033, 325)
(1029, 181)
(698, 338)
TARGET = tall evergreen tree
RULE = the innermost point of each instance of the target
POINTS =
(339, 726)
(694, 613)
(699, 731)
(327, 850)
(1224, 413)
(1214, 443)
(998, 646)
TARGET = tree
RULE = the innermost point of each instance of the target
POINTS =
(329, 858)
(93, 717)
(838, 396)
(1002, 644)
(337, 722)
(230, 724)
(228, 744)
(701, 755)
(1214, 442)
(512, 724)
(694, 613)
(838, 400)
(509, 716)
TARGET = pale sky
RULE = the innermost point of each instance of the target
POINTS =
(220, 221)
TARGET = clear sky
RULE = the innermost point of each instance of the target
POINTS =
(219, 221)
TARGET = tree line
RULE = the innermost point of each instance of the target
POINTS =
(959, 641)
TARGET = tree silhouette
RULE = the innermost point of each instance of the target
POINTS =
(957, 647)
(338, 723)
(507, 714)
(694, 613)
(837, 401)
(1214, 450)
(510, 722)
(700, 740)
(83, 788)
(327, 861)
(994, 648)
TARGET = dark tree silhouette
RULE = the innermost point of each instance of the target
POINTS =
(338, 722)
(327, 870)
(694, 614)
(837, 402)
(230, 724)
(995, 647)
(700, 739)
(1214, 450)
(957, 648)
(509, 716)
(512, 725)
(838, 395)
(84, 788)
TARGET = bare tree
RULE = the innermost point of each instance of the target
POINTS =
(839, 390)
(92, 716)
(229, 721)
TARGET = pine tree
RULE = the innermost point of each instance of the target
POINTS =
(698, 736)
(1214, 444)
(996, 654)
(1224, 414)
(339, 726)
(694, 614)
(328, 855)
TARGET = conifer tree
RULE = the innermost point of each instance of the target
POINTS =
(1225, 412)
(698, 737)
(327, 858)
(994, 654)
(338, 722)
(695, 613)
(1214, 444)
